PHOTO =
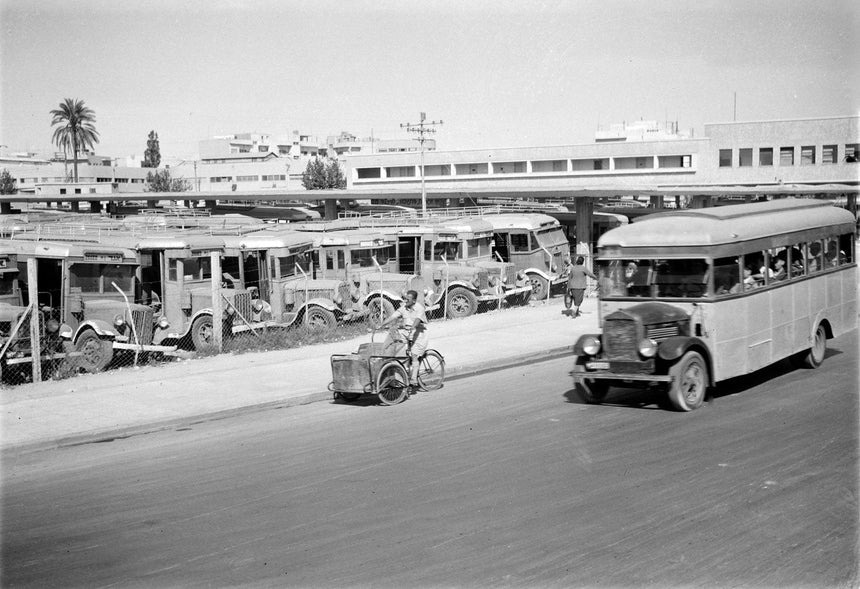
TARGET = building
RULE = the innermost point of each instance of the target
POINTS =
(754, 153)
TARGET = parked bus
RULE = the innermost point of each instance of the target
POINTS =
(535, 244)
(89, 288)
(693, 297)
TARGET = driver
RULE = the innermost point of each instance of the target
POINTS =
(412, 328)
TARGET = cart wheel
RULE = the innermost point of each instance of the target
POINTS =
(391, 384)
(431, 370)
(349, 396)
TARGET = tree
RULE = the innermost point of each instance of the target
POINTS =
(152, 155)
(76, 128)
(320, 175)
(162, 182)
(7, 183)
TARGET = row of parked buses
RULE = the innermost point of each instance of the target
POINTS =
(115, 287)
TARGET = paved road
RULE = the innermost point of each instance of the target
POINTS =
(505, 479)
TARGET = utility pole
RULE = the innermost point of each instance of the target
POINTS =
(422, 129)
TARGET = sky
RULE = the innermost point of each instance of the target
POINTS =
(497, 73)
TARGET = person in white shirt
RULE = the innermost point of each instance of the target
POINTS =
(411, 328)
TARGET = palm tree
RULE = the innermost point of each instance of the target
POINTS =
(76, 130)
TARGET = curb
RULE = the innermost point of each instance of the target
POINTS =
(109, 435)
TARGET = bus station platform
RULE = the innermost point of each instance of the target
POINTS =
(132, 401)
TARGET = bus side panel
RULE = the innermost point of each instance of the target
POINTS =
(728, 338)
(783, 322)
(805, 310)
(759, 333)
(849, 301)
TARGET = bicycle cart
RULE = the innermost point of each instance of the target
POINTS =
(370, 371)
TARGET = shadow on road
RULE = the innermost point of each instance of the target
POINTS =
(654, 397)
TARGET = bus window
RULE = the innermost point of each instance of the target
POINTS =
(682, 278)
(85, 277)
(846, 248)
(520, 242)
(611, 278)
(797, 258)
(777, 263)
(814, 260)
(757, 264)
(727, 276)
(832, 254)
(451, 251)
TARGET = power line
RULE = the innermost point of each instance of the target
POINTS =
(422, 129)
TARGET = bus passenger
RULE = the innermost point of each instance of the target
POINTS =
(750, 280)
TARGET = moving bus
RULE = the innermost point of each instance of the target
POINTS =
(693, 297)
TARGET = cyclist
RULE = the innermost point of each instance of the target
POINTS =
(411, 331)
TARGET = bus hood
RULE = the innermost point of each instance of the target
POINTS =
(649, 313)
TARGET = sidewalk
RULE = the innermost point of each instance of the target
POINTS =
(132, 401)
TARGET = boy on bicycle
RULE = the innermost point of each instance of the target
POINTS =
(411, 331)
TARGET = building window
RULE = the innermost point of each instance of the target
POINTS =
(365, 173)
(509, 168)
(549, 166)
(786, 156)
(725, 158)
(852, 152)
(263, 148)
(745, 157)
(400, 172)
(246, 178)
(765, 156)
(62, 191)
(829, 154)
(468, 169)
(274, 177)
(77, 190)
(92, 190)
(807, 155)
(217, 179)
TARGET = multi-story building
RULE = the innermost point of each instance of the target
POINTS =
(799, 151)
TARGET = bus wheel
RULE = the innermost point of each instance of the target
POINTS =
(814, 356)
(461, 302)
(203, 335)
(96, 353)
(689, 382)
(378, 309)
(540, 287)
(320, 320)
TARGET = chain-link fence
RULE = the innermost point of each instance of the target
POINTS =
(108, 321)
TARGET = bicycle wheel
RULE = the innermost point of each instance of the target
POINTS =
(431, 370)
(392, 384)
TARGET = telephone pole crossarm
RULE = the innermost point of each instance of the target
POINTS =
(422, 129)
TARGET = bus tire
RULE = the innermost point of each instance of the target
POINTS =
(540, 287)
(320, 320)
(379, 309)
(96, 353)
(461, 302)
(814, 356)
(203, 335)
(689, 382)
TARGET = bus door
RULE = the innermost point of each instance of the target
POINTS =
(500, 245)
(407, 255)
(255, 272)
(53, 282)
(173, 289)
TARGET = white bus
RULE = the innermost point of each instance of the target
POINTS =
(693, 297)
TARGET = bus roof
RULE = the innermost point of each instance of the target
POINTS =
(528, 221)
(53, 249)
(729, 224)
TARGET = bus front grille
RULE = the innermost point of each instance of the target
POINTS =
(620, 340)
(142, 320)
(660, 333)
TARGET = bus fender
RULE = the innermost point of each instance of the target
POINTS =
(102, 328)
(465, 284)
(674, 347)
(542, 273)
(327, 304)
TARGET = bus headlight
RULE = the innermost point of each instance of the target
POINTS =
(591, 345)
(52, 326)
(163, 323)
(229, 310)
(258, 306)
(647, 347)
(118, 321)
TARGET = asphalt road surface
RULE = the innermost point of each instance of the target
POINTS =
(506, 479)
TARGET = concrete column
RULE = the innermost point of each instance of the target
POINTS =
(656, 201)
(95, 206)
(151, 204)
(330, 209)
(700, 201)
(210, 204)
(76, 206)
(5, 208)
(584, 206)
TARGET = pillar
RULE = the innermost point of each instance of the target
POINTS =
(151, 204)
(95, 206)
(656, 201)
(584, 206)
(75, 206)
(210, 204)
(330, 209)
(5, 208)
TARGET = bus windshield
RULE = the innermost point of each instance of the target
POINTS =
(363, 258)
(551, 237)
(654, 278)
(100, 278)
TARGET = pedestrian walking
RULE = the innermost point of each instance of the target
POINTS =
(577, 274)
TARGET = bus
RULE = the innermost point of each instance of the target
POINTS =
(693, 297)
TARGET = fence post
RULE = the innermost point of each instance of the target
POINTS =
(35, 316)
(217, 307)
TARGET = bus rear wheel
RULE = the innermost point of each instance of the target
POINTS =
(689, 382)
(814, 356)
(540, 287)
